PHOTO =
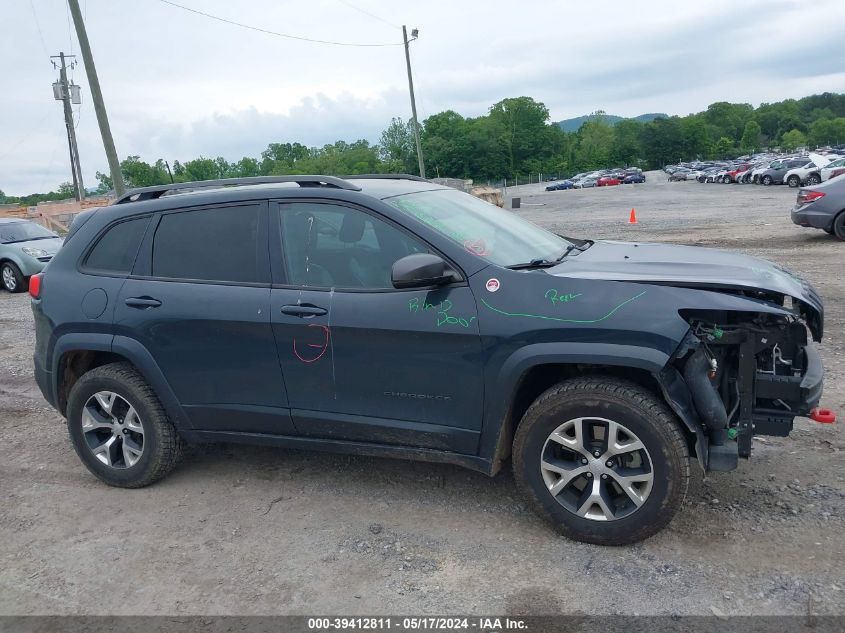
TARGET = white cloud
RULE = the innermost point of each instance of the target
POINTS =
(178, 85)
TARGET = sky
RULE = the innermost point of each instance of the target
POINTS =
(178, 85)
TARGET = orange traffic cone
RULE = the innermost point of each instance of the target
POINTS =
(633, 218)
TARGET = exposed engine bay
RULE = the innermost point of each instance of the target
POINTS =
(748, 374)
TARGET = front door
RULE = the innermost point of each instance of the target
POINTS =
(362, 360)
(199, 302)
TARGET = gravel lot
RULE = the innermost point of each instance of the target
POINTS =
(244, 530)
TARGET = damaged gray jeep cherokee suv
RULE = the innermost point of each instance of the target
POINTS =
(388, 315)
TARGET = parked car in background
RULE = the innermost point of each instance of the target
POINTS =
(826, 171)
(585, 183)
(25, 248)
(731, 174)
(634, 178)
(677, 176)
(775, 175)
(822, 206)
(809, 173)
(608, 181)
(560, 186)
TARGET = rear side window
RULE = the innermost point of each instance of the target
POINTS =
(115, 251)
(222, 244)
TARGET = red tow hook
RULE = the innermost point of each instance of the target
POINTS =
(823, 416)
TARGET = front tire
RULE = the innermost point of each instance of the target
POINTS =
(793, 181)
(603, 459)
(12, 278)
(767, 180)
(119, 428)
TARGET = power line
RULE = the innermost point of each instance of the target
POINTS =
(69, 36)
(38, 26)
(268, 32)
(365, 12)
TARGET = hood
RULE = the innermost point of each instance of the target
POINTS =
(50, 246)
(691, 267)
(820, 160)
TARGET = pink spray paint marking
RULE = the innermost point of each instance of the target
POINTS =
(315, 346)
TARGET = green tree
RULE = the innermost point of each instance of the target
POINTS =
(245, 168)
(694, 132)
(137, 173)
(201, 169)
(67, 190)
(792, 140)
(729, 119)
(750, 137)
(626, 148)
(521, 124)
(826, 132)
(724, 148)
(397, 147)
(595, 142)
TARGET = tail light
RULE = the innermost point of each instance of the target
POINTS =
(35, 286)
(806, 196)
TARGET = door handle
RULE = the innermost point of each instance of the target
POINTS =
(304, 311)
(142, 302)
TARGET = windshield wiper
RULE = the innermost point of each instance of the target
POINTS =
(534, 263)
(30, 239)
(544, 263)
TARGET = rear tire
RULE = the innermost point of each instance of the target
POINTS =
(12, 278)
(813, 179)
(839, 226)
(119, 447)
(576, 501)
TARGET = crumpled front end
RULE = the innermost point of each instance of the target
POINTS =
(748, 375)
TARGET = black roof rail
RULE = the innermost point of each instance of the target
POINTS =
(385, 177)
(156, 191)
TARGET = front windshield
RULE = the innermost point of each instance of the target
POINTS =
(23, 232)
(497, 235)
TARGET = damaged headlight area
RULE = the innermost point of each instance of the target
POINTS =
(748, 374)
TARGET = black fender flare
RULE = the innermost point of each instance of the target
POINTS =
(500, 392)
(70, 342)
(144, 362)
(133, 352)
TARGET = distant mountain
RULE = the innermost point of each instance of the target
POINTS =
(573, 125)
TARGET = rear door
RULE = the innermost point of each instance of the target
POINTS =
(363, 360)
(199, 301)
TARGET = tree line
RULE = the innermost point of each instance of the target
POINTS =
(516, 138)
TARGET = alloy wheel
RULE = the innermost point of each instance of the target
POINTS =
(9, 280)
(597, 469)
(112, 430)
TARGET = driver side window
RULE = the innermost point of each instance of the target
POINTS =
(332, 246)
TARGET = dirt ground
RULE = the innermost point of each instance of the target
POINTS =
(245, 530)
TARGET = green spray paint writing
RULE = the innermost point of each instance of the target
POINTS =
(528, 315)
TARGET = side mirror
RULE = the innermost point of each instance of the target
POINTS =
(420, 270)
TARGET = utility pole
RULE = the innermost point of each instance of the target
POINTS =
(97, 98)
(414, 35)
(62, 92)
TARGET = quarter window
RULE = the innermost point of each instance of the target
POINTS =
(220, 244)
(115, 251)
(332, 246)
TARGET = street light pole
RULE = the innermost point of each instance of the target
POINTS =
(414, 35)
